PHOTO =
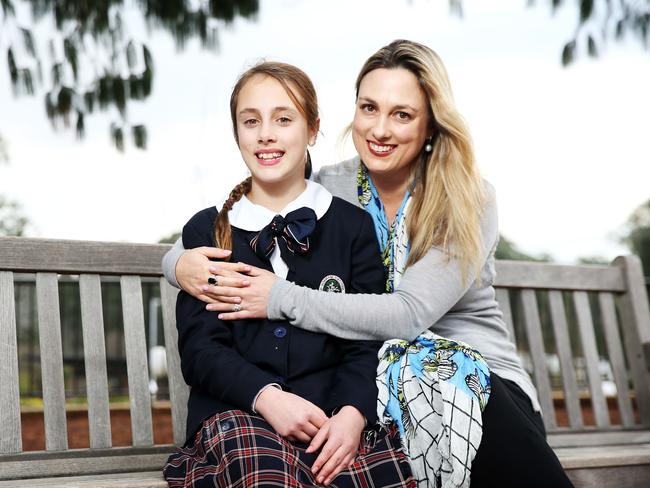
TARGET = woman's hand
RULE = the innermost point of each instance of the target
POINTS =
(194, 268)
(252, 297)
(291, 416)
(340, 435)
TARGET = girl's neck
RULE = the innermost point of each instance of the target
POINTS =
(277, 195)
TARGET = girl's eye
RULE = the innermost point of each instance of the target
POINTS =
(403, 115)
(367, 108)
(250, 122)
(284, 120)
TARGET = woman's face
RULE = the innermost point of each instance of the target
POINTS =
(273, 134)
(391, 121)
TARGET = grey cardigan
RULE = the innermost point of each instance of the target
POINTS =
(431, 295)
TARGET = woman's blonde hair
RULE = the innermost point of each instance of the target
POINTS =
(302, 93)
(448, 196)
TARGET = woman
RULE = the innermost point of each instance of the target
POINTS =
(437, 225)
(261, 392)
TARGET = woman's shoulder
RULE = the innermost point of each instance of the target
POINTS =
(345, 168)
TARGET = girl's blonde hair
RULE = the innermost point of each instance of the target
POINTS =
(448, 196)
(302, 93)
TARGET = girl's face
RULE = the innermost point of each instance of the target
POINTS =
(391, 121)
(273, 134)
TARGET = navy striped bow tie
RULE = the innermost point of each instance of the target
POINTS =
(294, 229)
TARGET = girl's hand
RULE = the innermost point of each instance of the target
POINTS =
(291, 416)
(193, 270)
(341, 435)
(253, 298)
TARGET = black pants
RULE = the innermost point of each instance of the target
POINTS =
(513, 450)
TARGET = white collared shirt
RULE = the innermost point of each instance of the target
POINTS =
(252, 217)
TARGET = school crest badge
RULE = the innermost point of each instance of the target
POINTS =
(333, 284)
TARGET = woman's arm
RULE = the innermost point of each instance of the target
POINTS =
(428, 290)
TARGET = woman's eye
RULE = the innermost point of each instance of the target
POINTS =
(366, 107)
(403, 115)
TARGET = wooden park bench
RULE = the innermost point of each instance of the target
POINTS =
(560, 308)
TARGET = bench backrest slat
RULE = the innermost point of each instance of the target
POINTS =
(615, 353)
(635, 317)
(518, 274)
(563, 346)
(76, 257)
(49, 332)
(503, 297)
(136, 360)
(178, 390)
(10, 437)
(588, 340)
(538, 356)
(92, 321)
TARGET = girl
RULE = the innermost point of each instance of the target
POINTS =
(260, 393)
(437, 222)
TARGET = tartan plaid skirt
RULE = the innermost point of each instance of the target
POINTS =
(236, 449)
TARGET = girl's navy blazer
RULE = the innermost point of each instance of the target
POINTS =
(227, 363)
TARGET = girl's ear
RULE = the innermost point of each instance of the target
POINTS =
(313, 132)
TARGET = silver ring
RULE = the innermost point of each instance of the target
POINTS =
(213, 280)
(237, 307)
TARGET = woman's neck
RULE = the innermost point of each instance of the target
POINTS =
(277, 195)
(391, 190)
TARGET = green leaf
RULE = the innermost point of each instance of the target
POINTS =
(586, 9)
(592, 49)
(568, 53)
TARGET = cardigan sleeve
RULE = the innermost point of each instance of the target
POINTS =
(427, 291)
(169, 261)
(208, 360)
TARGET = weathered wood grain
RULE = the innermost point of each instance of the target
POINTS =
(74, 257)
(563, 344)
(136, 360)
(522, 274)
(178, 390)
(588, 340)
(10, 439)
(635, 325)
(92, 322)
(49, 330)
(615, 353)
(538, 355)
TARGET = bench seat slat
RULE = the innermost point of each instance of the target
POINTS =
(92, 321)
(563, 344)
(49, 329)
(10, 436)
(503, 297)
(178, 390)
(615, 352)
(537, 353)
(588, 339)
(136, 361)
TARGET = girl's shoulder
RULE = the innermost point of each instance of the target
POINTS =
(199, 230)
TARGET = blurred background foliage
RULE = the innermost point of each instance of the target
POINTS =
(94, 61)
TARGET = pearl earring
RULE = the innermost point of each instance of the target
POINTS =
(428, 147)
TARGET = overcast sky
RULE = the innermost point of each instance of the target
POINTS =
(566, 149)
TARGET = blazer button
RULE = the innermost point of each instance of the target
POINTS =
(280, 332)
